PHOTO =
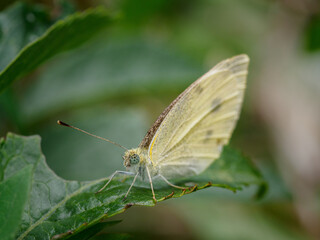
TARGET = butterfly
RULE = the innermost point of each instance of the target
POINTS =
(191, 132)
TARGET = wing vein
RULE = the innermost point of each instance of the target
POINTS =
(198, 121)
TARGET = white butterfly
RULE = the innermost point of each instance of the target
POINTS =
(191, 132)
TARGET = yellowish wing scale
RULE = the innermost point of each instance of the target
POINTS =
(194, 131)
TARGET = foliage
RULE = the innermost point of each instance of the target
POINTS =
(62, 36)
(57, 206)
(113, 76)
(313, 33)
(14, 192)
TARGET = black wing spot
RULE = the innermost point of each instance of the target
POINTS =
(216, 104)
(208, 135)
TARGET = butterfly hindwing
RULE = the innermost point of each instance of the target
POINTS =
(193, 132)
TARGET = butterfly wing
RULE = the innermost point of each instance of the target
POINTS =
(193, 132)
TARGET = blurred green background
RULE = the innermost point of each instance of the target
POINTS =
(118, 83)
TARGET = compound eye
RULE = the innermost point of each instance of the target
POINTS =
(134, 159)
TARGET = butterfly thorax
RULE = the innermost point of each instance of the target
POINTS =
(136, 161)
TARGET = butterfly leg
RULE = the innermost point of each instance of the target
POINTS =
(112, 176)
(150, 181)
(135, 177)
(170, 184)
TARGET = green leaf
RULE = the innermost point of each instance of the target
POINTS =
(19, 25)
(14, 192)
(62, 36)
(57, 206)
(312, 33)
(87, 233)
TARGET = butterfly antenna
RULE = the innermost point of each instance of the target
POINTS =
(78, 129)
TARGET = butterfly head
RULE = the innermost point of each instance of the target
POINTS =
(131, 158)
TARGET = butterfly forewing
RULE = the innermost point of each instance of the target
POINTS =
(192, 134)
